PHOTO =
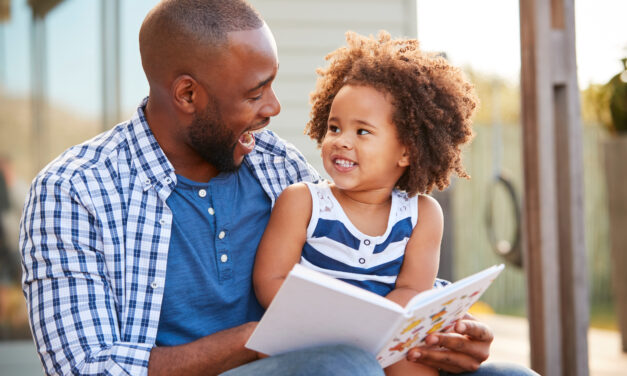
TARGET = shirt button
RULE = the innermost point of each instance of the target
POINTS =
(147, 182)
(162, 221)
(154, 284)
(224, 258)
(211, 211)
(168, 180)
(221, 235)
(202, 193)
(366, 242)
(362, 260)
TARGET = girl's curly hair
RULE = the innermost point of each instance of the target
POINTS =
(433, 103)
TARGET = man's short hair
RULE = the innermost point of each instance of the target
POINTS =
(210, 20)
(177, 35)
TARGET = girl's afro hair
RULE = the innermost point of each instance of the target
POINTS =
(433, 103)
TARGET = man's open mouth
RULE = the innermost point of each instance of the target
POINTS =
(247, 140)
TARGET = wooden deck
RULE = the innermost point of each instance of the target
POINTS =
(511, 344)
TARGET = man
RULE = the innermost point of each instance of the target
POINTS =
(138, 245)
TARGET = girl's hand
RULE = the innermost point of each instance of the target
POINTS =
(462, 350)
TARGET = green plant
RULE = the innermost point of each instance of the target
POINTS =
(617, 89)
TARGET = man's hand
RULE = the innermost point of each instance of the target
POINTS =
(461, 350)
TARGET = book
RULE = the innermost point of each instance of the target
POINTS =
(313, 309)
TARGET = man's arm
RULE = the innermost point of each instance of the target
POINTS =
(462, 350)
(209, 355)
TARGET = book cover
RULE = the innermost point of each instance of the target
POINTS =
(313, 309)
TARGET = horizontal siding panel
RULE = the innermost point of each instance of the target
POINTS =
(323, 39)
(294, 93)
(341, 11)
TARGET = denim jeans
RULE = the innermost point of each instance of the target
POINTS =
(496, 369)
(342, 360)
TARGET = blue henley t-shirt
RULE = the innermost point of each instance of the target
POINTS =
(216, 229)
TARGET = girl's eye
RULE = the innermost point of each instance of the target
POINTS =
(333, 128)
(362, 132)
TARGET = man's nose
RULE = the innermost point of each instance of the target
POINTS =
(272, 106)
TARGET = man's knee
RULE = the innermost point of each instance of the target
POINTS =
(344, 360)
(499, 369)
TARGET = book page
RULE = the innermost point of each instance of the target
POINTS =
(436, 311)
(312, 309)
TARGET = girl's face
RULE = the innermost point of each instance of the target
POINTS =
(361, 150)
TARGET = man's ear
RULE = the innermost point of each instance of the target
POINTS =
(185, 94)
(404, 160)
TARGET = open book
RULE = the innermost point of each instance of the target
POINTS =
(313, 309)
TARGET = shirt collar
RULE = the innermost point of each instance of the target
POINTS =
(267, 142)
(153, 167)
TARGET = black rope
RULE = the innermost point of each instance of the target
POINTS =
(511, 251)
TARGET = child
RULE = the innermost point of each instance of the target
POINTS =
(390, 120)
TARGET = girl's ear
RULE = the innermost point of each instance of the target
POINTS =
(404, 160)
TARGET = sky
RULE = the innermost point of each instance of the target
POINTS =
(482, 34)
(485, 34)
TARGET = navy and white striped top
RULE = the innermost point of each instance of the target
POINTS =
(336, 247)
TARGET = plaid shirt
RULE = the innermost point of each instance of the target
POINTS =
(94, 236)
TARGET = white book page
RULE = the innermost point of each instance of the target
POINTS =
(328, 311)
(337, 285)
(434, 311)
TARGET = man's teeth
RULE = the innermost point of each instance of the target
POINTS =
(247, 139)
(344, 163)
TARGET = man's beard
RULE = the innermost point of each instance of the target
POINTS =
(212, 140)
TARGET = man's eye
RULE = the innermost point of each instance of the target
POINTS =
(362, 132)
(257, 97)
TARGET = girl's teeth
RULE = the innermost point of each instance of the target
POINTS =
(344, 163)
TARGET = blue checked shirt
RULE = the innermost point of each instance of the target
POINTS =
(94, 237)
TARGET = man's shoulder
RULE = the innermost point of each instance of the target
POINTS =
(93, 154)
(277, 163)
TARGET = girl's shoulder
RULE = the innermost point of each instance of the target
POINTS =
(429, 207)
(296, 190)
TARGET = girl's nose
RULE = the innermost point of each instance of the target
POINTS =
(344, 141)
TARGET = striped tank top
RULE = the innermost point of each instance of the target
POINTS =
(337, 248)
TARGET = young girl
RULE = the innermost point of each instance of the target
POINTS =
(390, 120)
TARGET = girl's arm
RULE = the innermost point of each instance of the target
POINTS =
(282, 242)
(422, 254)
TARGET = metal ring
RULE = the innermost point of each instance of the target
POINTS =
(510, 251)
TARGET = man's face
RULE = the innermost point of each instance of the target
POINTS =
(241, 99)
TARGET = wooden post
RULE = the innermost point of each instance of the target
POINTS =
(553, 210)
(615, 150)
